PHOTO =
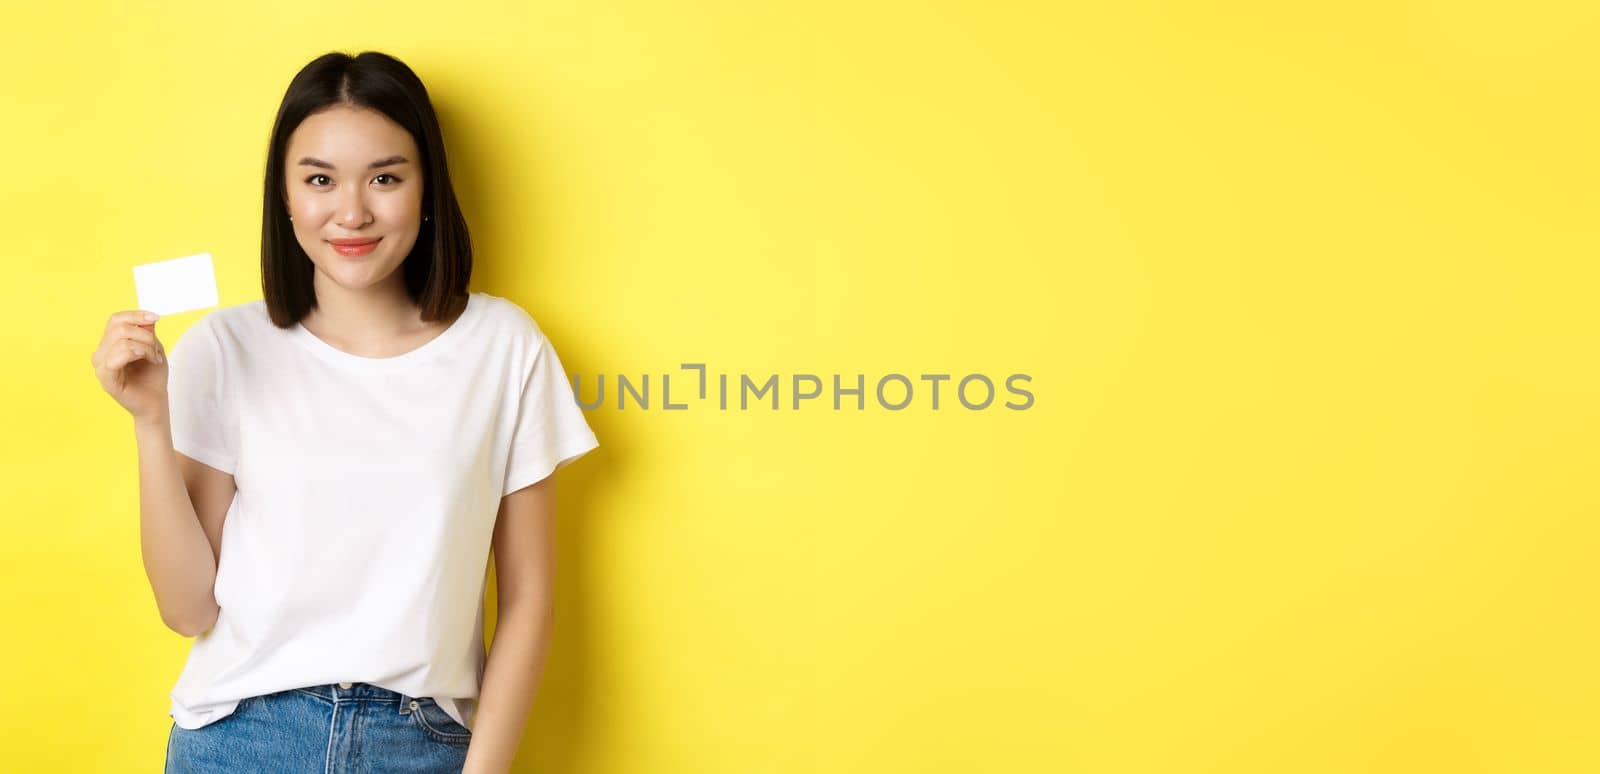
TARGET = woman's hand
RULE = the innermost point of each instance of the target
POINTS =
(132, 365)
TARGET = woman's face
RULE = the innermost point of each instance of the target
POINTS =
(353, 174)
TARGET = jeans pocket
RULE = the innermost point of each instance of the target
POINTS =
(438, 724)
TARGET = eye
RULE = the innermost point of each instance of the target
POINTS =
(312, 179)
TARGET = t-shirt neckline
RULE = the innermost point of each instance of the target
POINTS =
(331, 353)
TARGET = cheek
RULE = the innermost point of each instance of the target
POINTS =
(302, 210)
(396, 210)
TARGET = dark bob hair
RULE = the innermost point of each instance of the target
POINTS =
(440, 264)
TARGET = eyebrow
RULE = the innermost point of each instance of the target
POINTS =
(388, 162)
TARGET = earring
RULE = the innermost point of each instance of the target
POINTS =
(424, 217)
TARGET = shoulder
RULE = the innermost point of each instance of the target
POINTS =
(509, 319)
(236, 323)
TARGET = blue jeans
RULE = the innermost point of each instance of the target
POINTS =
(324, 728)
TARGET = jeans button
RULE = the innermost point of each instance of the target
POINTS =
(344, 685)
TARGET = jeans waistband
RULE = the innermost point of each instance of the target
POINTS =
(353, 691)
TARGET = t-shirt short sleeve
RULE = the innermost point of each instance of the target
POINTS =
(550, 430)
(204, 427)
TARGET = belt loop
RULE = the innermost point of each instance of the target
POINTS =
(404, 702)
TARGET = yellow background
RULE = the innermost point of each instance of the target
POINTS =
(1307, 296)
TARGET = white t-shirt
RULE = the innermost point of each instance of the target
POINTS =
(357, 545)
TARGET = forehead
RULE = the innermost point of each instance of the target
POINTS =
(350, 136)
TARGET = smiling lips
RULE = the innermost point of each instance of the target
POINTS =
(353, 247)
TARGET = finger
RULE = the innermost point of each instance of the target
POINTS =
(141, 335)
(136, 316)
(128, 328)
(116, 331)
(116, 358)
(133, 325)
(150, 353)
(126, 352)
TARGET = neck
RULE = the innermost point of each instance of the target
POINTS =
(363, 317)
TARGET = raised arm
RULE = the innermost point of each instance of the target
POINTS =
(182, 503)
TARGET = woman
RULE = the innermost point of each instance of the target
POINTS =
(349, 450)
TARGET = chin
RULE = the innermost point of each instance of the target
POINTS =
(356, 276)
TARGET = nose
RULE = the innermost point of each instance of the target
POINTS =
(353, 212)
